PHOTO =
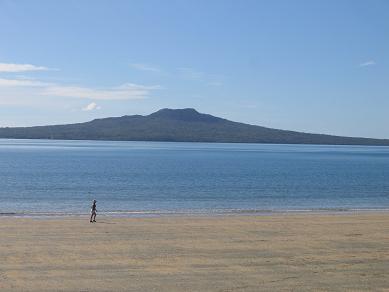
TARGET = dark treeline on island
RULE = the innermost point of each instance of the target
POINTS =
(178, 125)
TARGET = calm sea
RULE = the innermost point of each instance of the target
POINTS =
(63, 177)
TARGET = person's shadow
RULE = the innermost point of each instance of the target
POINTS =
(103, 222)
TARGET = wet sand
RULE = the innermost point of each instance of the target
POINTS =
(298, 252)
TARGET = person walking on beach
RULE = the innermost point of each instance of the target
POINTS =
(93, 212)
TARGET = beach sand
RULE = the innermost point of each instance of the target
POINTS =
(295, 252)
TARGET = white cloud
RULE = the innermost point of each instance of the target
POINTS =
(21, 82)
(12, 68)
(22, 90)
(37, 94)
(144, 67)
(92, 106)
(122, 92)
(367, 63)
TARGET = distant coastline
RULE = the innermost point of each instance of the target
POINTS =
(179, 125)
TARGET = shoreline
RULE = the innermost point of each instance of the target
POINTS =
(196, 213)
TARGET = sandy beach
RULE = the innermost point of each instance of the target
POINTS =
(294, 252)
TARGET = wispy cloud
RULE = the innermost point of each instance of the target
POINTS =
(4, 82)
(367, 63)
(215, 83)
(13, 68)
(123, 92)
(90, 107)
(22, 90)
(190, 73)
(145, 67)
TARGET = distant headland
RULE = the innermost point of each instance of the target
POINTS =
(179, 125)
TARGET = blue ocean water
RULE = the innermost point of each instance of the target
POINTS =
(129, 177)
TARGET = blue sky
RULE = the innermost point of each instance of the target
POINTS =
(314, 66)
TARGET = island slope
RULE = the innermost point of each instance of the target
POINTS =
(178, 125)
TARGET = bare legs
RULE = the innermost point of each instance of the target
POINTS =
(93, 217)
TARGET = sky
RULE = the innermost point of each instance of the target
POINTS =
(312, 66)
